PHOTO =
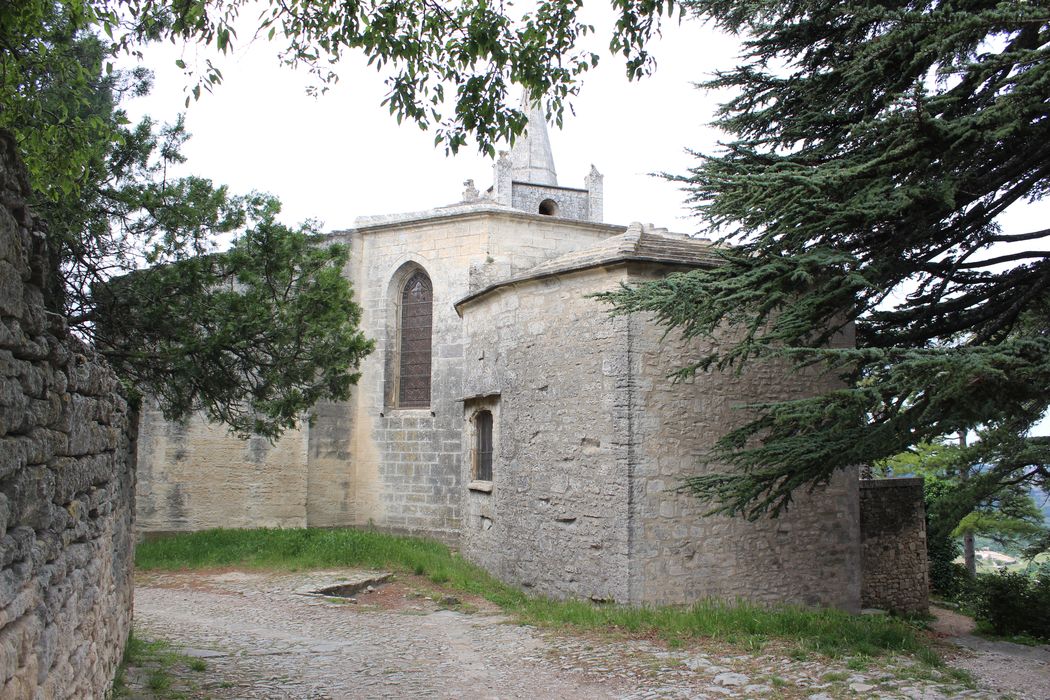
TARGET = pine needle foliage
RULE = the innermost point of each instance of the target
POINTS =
(874, 147)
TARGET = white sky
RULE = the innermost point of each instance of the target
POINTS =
(342, 155)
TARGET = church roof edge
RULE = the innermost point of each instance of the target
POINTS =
(638, 244)
(368, 223)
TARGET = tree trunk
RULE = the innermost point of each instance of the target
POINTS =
(968, 554)
(968, 550)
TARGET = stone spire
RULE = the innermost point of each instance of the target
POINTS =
(531, 155)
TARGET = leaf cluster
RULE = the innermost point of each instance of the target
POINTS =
(252, 336)
(975, 489)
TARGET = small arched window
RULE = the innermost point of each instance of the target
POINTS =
(414, 338)
(549, 207)
(483, 446)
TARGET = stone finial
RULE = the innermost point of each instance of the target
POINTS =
(531, 154)
(470, 192)
(502, 176)
(595, 184)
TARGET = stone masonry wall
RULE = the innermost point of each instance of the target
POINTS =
(363, 461)
(572, 203)
(592, 439)
(400, 469)
(810, 555)
(195, 475)
(66, 483)
(893, 537)
(554, 364)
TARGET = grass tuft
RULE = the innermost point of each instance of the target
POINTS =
(154, 663)
(159, 680)
(831, 633)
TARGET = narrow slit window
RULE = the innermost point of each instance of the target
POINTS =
(483, 446)
(417, 309)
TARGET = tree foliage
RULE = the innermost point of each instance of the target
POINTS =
(195, 332)
(252, 336)
(874, 148)
(452, 66)
(965, 495)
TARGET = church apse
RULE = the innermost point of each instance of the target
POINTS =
(594, 439)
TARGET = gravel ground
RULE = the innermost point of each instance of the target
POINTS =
(261, 637)
(1022, 672)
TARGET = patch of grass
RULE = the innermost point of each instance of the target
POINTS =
(834, 677)
(153, 663)
(932, 669)
(159, 680)
(961, 676)
(828, 632)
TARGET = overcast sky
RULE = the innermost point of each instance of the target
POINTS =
(342, 155)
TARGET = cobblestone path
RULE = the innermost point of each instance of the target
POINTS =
(261, 638)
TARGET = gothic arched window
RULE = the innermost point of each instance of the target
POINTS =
(417, 312)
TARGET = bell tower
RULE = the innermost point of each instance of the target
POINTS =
(526, 179)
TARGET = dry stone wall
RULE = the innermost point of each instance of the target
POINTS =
(66, 483)
(893, 538)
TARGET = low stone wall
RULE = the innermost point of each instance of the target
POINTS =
(66, 483)
(893, 545)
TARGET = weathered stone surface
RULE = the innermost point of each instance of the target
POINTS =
(593, 439)
(893, 536)
(196, 476)
(366, 460)
(66, 485)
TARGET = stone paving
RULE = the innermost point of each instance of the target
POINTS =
(262, 638)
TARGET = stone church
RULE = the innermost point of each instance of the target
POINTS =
(505, 412)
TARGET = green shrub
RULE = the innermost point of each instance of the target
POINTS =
(947, 579)
(950, 580)
(1013, 603)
